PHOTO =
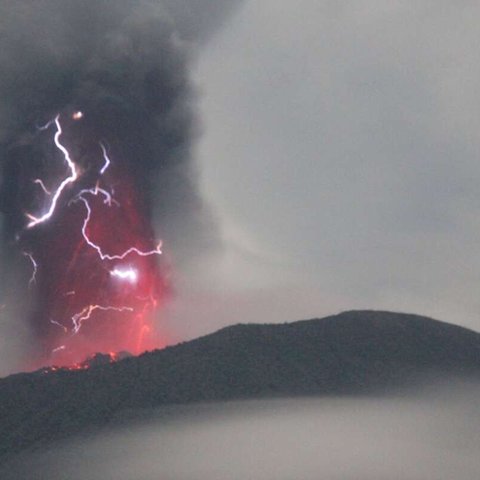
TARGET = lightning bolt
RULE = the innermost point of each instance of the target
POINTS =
(129, 274)
(72, 324)
(35, 268)
(105, 157)
(97, 248)
(87, 312)
(107, 196)
(70, 179)
(38, 181)
(63, 327)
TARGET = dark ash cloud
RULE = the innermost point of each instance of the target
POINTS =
(126, 65)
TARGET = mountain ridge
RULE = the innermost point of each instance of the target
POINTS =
(352, 353)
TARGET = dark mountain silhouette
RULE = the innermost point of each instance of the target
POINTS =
(357, 352)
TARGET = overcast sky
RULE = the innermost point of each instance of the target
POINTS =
(340, 155)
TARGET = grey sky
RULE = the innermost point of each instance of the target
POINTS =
(341, 156)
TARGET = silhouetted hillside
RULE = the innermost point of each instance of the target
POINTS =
(356, 352)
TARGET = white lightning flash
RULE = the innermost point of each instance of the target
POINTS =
(128, 274)
(70, 179)
(105, 256)
(87, 312)
(105, 157)
(107, 197)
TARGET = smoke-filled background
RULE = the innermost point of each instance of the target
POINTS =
(115, 75)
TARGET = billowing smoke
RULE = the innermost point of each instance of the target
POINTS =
(96, 128)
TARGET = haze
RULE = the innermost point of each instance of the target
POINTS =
(340, 156)
(433, 435)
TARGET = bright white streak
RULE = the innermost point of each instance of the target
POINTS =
(105, 157)
(86, 313)
(70, 179)
(108, 200)
(106, 256)
(129, 274)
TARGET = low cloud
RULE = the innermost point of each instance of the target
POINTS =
(434, 435)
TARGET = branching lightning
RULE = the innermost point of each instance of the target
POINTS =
(97, 248)
(83, 295)
(107, 197)
(70, 179)
(86, 313)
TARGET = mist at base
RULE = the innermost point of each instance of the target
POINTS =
(432, 435)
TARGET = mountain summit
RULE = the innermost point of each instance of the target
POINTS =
(356, 352)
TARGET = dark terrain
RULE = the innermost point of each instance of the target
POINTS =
(353, 353)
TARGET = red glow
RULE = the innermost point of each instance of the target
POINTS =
(92, 361)
(87, 302)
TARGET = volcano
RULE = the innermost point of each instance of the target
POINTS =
(353, 353)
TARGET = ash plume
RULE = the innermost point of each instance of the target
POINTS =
(125, 66)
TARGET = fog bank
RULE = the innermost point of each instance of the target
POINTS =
(435, 436)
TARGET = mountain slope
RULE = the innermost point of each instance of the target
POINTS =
(354, 352)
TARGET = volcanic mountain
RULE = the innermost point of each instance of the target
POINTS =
(353, 353)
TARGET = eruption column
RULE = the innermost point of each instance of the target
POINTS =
(116, 300)
(118, 74)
